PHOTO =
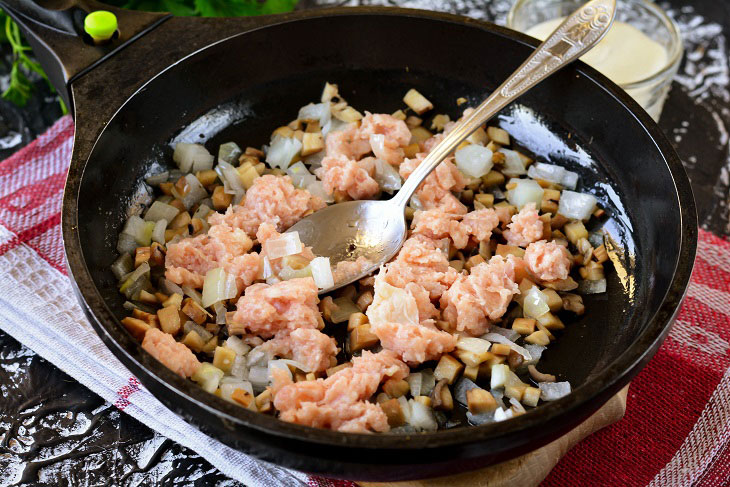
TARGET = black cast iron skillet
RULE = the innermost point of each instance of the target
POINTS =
(164, 73)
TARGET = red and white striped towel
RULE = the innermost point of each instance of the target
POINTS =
(677, 425)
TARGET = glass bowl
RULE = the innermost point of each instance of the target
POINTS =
(649, 91)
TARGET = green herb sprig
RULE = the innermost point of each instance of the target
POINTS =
(20, 88)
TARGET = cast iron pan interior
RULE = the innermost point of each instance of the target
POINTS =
(576, 118)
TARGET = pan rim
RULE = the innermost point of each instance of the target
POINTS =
(601, 387)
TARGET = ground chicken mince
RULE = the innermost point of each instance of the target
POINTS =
(219, 292)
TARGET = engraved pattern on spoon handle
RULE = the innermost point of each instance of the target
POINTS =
(577, 34)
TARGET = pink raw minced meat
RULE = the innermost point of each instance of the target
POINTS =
(339, 173)
(420, 261)
(482, 296)
(266, 309)
(436, 224)
(435, 191)
(308, 346)
(414, 343)
(173, 355)
(271, 199)
(340, 401)
(548, 261)
(387, 136)
(526, 227)
(188, 260)
(347, 143)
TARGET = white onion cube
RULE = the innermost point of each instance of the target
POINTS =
(322, 272)
(527, 191)
(576, 206)
(287, 244)
(552, 391)
(474, 160)
(535, 303)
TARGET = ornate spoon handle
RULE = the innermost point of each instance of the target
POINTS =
(576, 35)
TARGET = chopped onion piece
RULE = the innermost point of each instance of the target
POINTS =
(300, 175)
(517, 405)
(282, 150)
(161, 211)
(461, 387)
(345, 307)
(552, 391)
(157, 179)
(428, 381)
(334, 125)
(422, 416)
(229, 386)
(218, 286)
(535, 303)
(168, 287)
(508, 333)
(315, 111)
(474, 160)
(195, 295)
(287, 273)
(122, 266)
(192, 157)
(126, 244)
(322, 272)
(240, 368)
(237, 345)
(502, 377)
(267, 271)
(286, 244)
(208, 377)
(405, 407)
(259, 376)
(232, 183)
(513, 163)
(554, 174)
(592, 287)
(535, 351)
(220, 313)
(387, 176)
(229, 152)
(501, 415)
(497, 338)
(158, 233)
(316, 188)
(202, 212)
(577, 206)
(415, 203)
(195, 193)
(278, 364)
(192, 326)
(479, 419)
(526, 191)
(258, 357)
(377, 142)
(415, 379)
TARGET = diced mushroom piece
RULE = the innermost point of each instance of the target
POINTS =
(396, 388)
(417, 102)
(355, 320)
(531, 396)
(550, 321)
(538, 338)
(448, 368)
(480, 401)
(413, 121)
(441, 397)
(575, 231)
(263, 401)
(193, 341)
(574, 303)
(501, 349)
(394, 412)
(554, 301)
(515, 359)
(221, 199)
(539, 376)
(439, 122)
(524, 326)
(498, 135)
(362, 337)
(175, 300)
(242, 397)
(337, 368)
(169, 318)
(194, 311)
(312, 143)
(148, 318)
(136, 327)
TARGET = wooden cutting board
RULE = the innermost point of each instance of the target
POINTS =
(529, 469)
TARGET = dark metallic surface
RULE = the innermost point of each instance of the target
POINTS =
(689, 119)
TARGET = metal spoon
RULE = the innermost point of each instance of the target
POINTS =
(376, 230)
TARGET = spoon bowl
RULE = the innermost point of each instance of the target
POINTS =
(353, 230)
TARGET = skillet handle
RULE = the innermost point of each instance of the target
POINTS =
(54, 29)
